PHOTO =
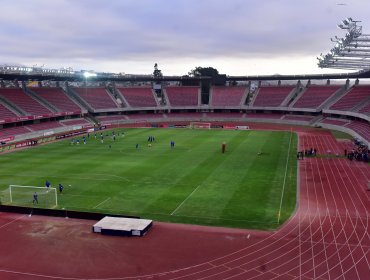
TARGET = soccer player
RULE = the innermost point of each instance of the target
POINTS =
(47, 185)
(137, 146)
(35, 198)
(61, 188)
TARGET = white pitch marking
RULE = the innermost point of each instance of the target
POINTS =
(184, 200)
(286, 170)
(72, 176)
(102, 203)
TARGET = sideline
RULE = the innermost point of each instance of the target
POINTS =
(286, 170)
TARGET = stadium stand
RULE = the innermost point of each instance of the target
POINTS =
(298, 118)
(43, 126)
(183, 96)
(142, 103)
(178, 115)
(354, 97)
(79, 121)
(138, 96)
(362, 128)
(97, 98)
(264, 116)
(12, 131)
(314, 96)
(339, 122)
(112, 118)
(272, 96)
(6, 113)
(225, 115)
(24, 101)
(57, 98)
(365, 110)
(145, 116)
(227, 96)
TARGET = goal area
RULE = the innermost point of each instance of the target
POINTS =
(200, 125)
(24, 196)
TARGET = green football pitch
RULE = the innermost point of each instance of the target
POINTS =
(252, 185)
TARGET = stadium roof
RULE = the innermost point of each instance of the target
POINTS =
(14, 73)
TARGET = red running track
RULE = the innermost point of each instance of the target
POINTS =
(326, 238)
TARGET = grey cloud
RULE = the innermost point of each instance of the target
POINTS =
(97, 30)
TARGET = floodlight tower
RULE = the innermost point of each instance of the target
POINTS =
(351, 52)
(87, 75)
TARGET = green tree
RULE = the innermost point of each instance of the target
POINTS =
(216, 78)
(203, 71)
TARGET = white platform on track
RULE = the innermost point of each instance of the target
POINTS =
(122, 226)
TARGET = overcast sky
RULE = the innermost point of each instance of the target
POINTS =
(238, 37)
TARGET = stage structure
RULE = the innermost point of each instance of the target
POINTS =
(122, 226)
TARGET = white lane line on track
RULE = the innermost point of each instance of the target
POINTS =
(12, 221)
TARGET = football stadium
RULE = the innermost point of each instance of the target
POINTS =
(199, 176)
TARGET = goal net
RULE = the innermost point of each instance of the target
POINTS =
(200, 125)
(24, 196)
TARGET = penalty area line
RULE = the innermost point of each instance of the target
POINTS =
(178, 207)
(102, 202)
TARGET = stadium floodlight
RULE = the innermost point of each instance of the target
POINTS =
(348, 50)
(89, 74)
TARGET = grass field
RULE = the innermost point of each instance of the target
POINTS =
(192, 183)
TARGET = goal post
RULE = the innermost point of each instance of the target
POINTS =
(23, 196)
(200, 125)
